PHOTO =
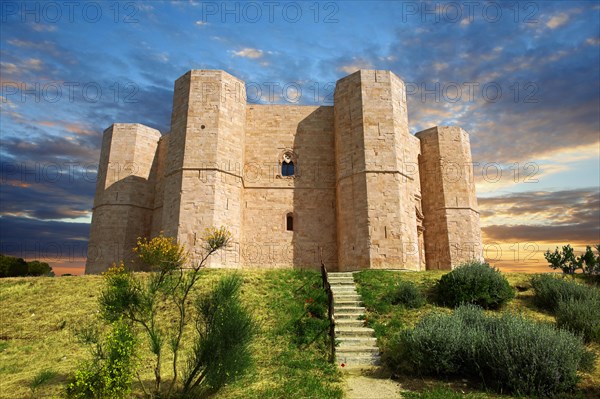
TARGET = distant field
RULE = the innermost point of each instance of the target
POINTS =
(38, 316)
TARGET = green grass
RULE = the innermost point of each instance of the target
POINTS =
(39, 316)
(388, 320)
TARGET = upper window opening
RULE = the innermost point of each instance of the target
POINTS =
(287, 169)
(287, 166)
(289, 222)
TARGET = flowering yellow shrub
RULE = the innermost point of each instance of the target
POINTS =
(161, 253)
(216, 238)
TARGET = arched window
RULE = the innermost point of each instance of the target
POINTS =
(289, 222)
(287, 169)
(287, 165)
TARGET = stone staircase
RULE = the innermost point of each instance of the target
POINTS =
(357, 345)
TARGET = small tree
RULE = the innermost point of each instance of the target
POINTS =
(590, 263)
(127, 295)
(564, 260)
(11, 266)
(37, 268)
(569, 263)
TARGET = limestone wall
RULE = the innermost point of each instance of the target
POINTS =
(375, 194)
(202, 186)
(124, 199)
(307, 133)
(452, 231)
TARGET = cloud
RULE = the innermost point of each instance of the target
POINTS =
(43, 27)
(249, 52)
(557, 20)
(201, 23)
(440, 66)
(355, 66)
(569, 216)
(8, 68)
(34, 64)
(593, 41)
(49, 240)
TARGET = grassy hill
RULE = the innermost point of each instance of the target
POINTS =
(38, 317)
(388, 319)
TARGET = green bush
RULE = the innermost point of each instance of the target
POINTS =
(37, 268)
(221, 350)
(551, 290)
(581, 317)
(407, 294)
(110, 373)
(11, 266)
(510, 353)
(475, 283)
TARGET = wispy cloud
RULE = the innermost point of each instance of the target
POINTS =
(249, 52)
(355, 65)
(557, 20)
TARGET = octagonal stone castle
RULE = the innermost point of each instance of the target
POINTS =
(296, 185)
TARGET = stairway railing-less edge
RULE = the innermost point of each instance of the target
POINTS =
(327, 288)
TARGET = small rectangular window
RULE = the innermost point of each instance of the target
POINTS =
(289, 222)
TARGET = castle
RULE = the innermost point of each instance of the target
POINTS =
(296, 185)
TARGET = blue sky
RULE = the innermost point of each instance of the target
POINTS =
(521, 78)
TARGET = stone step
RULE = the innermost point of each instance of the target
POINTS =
(358, 360)
(356, 349)
(346, 297)
(348, 309)
(342, 283)
(342, 286)
(341, 331)
(349, 323)
(340, 274)
(354, 302)
(348, 316)
(355, 341)
(343, 291)
(341, 280)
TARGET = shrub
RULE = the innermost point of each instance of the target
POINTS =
(529, 358)
(110, 373)
(475, 283)
(222, 347)
(37, 268)
(581, 317)
(510, 352)
(407, 294)
(11, 266)
(551, 290)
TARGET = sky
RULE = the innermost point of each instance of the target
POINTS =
(522, 78)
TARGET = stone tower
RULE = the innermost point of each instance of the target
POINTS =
(204, 159)
(377, 179)
(124, 198)
(451, 216)
(364, 192)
